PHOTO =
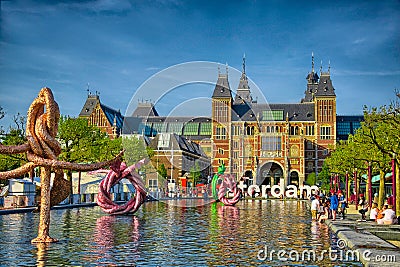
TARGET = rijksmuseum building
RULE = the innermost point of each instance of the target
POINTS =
(261, 143)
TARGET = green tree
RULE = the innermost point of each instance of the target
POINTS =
(82, 143)
(10, 162)
(311, 179)
(162, 171)
(195, 173)
(136, 149)
(15, 136)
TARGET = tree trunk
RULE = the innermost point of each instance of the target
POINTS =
(381, 198)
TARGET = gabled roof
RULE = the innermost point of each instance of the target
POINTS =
(145, 110)
(179, 142)
(222, 88)
(90, 104)
(325, 87)
(113, 116)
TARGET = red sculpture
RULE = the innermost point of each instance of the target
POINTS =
(118, 172)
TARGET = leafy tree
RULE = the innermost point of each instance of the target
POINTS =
(195, 173)
(9, 162)
(136, 149)
(311, 179)
(162, 171)
(82, 143)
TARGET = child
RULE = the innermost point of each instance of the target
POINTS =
(373, 215)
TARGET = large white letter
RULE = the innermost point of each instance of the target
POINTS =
(291, 191)
(281, 190)
(252, 188)
(307, 188)
(264, 189)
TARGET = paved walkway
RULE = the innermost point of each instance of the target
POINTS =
(368, 239)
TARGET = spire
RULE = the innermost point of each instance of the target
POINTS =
(226, 67)
(219, 69)
(244, 63)
(320, 69)
(329, 67)
(243, 94)
(312, 62)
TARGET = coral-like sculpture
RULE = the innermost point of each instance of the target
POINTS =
(42, 149)
(117, 173)
(228, 184)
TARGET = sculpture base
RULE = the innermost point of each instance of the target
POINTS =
(44, 239)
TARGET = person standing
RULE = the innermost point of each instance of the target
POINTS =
(314, 207)
(343, 204)
(334, 205)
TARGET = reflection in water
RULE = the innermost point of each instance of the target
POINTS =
(164, 234)
(41, 254)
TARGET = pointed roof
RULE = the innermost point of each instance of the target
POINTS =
(222, 88)
(114, 117)
(312, 82)
(243, 94)
(145, 109)
(90, 104)
(325, 87)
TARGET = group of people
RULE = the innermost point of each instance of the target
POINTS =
(335, 204)
(328, 207)
(386, 215)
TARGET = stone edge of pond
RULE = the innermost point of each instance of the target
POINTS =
(367, 244)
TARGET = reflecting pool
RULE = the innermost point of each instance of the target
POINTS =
(170, 234)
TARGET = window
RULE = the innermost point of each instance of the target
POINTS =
(294, 130)
(325, 152)
(250, 130)
(163, 140)
(220, 161)
(175, 127)
(310, 130)
(153, 183)
(271, 143)
(235, 166)
(272, 115)
(235, 154)
(159, 127)
(145, 128)
(237, 130)
(235, 144)
(220, 151)
(191, 128)
(325, 132)
(220, 132)
(205, 128)
(310, 166)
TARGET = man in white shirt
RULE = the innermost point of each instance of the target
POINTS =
(389, 216)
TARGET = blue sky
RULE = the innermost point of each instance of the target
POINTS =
(115, 46)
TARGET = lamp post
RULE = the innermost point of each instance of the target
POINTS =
(356, 187)
(369, 185)
(346, 187)
(394, 180)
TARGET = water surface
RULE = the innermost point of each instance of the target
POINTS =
(170, 234)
